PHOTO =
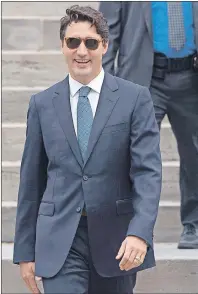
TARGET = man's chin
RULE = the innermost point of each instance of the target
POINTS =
(82, 72)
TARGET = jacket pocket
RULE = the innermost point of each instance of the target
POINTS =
(115, 128)
(124, 206)
(46, 208)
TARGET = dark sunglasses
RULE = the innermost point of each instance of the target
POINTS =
(90, 43)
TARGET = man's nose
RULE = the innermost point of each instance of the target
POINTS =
(82, 50)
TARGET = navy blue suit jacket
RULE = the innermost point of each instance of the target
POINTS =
(119, 181)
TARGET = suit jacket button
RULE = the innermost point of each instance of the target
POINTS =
(78, 209)
(85, 178)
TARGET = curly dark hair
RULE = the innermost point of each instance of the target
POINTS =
(79, 13)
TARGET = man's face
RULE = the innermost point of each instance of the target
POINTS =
(83, 64)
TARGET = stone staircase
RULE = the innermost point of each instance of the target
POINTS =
(32, 61)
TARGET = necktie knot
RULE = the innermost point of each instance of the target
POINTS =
(84, 91)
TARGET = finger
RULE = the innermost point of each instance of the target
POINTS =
(33, 285)
(26, 280)
(143, 255)
(30, 285)
(38, 278)
(121, 251)
(125, 258)
(136, 262)
(35, 278)
(129, 264)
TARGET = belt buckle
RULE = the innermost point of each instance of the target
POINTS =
(174, 64)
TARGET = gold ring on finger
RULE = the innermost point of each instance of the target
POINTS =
(138, 259)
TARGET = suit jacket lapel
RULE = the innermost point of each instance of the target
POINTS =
(61, 101)
(195, 16)
(147, 15)
(106, 103)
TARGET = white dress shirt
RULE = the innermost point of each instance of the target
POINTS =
(93, 96)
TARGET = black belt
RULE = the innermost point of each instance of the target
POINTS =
(163, 65)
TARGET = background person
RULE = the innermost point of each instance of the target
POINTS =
(157, 44)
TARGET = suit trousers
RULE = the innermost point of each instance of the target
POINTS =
(177, 96)
(78, 274)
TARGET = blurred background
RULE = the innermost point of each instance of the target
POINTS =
(31, 62)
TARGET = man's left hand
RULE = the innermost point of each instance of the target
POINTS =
(132, 251)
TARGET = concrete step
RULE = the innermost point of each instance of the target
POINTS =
(168, 227)
(14, 9)
(10, 183)
(43, 69)
(11, 99)
(176, 271)
(13, 143)
(31, 34)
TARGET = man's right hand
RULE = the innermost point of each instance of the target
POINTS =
(28, 275)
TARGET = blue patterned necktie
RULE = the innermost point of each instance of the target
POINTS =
(176, 25)
(84, 119)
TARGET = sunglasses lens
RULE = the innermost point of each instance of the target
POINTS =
(73, 43)
(91, 44)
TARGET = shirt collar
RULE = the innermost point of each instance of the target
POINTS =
(95, 84)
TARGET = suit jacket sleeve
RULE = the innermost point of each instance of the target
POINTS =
(112, 12)
(33, 175)
(146, 168)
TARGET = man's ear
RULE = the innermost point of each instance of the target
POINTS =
(62, 46)
(105, 47)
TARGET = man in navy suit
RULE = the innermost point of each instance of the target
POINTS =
(90, 177)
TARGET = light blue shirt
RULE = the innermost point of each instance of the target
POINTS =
(160, 30)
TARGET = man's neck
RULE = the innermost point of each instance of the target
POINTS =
(85, 80)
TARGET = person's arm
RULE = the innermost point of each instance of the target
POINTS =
(146, 178)
(33, 177)
(146, 168)
(112, 12)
